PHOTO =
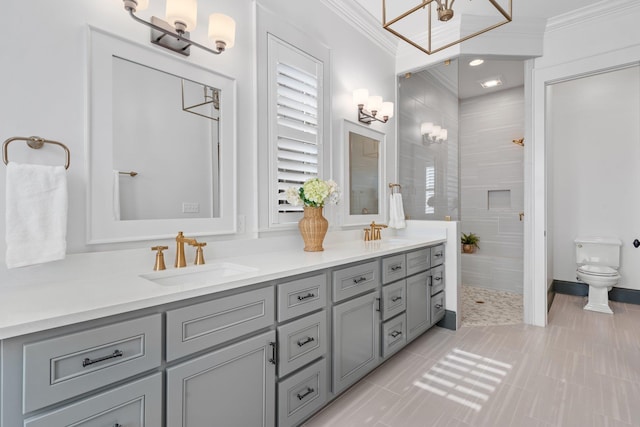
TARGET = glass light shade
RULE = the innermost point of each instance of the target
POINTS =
(222, 28)
(387, 109)
(142, 5)
(183, 11)
(426, 128)
(374, 103)
(360, 96)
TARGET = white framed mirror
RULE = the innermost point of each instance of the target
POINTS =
(161, 148)
(363, 174)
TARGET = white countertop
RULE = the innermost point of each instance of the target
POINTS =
(93, 285)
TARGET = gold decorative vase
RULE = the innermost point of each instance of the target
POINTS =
(313, 227)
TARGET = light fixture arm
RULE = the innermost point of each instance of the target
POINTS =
(178, 35)
(365, 117)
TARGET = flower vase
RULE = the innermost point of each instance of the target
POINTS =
(313, 227)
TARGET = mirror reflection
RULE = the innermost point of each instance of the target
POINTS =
(364, 155)
(166, 130)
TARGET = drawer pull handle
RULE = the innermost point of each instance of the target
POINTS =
(307, 340)
(395, 334)
(396, 268)
(359, 280)
(307, 392)
(116, 353)
(438, 306)
(394, 299)
(309, 295)
(274, 353)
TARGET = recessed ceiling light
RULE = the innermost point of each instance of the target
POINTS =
(476, 62)
(492, 82)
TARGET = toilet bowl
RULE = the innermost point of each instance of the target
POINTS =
(598, 259)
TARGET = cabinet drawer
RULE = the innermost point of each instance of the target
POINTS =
(302, 394)
(301, 342)
(352, 281)
(138, 404)
(437, 255)
(394, 335)
(437, 279)
(437, 307)
(204, 325)
(418, 261)
(394, 299)
(69, 365)
(301, 296)
(394, 268)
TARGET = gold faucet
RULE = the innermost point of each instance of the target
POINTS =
(180, 241)
(373, 232)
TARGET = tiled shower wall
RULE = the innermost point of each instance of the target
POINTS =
(492, 188)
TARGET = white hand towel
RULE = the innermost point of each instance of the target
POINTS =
(396, 212)
(116, 195)
(36, 222)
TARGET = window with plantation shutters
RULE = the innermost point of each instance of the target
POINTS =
(429, 190)
(295, 109)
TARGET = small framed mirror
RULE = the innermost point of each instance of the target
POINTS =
(364, 172)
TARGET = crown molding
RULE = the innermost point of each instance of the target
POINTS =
(355, 15)
(589, 13)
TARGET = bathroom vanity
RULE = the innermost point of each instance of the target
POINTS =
(256, 340)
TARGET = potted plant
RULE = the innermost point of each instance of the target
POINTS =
(469, 243)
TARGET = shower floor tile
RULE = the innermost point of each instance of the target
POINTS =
(486, 307)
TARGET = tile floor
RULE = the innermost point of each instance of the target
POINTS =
(582, 370)
(486, 307)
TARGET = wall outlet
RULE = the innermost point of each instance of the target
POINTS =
(190, 207)
(241, 225)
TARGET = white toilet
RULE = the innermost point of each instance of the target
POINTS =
(598, 259)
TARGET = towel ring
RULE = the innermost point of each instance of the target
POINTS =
(34, 142)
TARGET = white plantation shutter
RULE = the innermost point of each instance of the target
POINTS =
(429, 189)
(295, 100)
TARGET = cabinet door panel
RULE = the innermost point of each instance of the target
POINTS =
(356, 332)
(418, 304)
(231, 387)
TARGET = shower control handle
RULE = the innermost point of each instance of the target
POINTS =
(636, 243)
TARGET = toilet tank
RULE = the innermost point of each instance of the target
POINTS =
(598, 251)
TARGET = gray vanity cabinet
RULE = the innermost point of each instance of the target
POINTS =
(356, 345)
(418, 304)
(231, 387)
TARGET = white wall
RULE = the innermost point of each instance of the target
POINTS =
(43, 80)
(593, 136)
(490, 161)
(600, 39)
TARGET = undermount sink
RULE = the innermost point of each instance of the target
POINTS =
(201, 275)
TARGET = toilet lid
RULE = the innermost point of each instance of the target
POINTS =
(598, 270)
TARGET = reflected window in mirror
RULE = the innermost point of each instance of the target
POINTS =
(364, 173)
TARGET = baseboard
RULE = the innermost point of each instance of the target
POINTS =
(628, 296)
(448, 321)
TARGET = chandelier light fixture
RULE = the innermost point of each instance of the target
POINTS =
(438, 35)
(173, 34)
(371, 108)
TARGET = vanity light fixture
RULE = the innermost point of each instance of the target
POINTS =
(445, 13)
(371, 108)
(433, 133)
(173, 33)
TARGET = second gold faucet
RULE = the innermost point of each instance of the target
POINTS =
(180, 258)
